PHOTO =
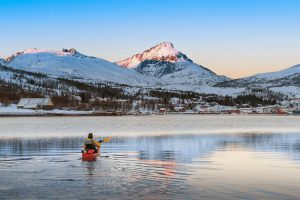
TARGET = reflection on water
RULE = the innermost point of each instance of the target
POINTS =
(227, 166)
(179, 148)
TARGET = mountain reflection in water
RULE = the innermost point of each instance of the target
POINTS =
(177, 148)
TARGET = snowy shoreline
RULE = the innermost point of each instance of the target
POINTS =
(13, 111)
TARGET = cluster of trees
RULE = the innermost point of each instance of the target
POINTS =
(11, 93)
(110, 105)
(103, 90)
(250, 99)
(169, 94)
(63, 101)
(165, 96)
(253, 100)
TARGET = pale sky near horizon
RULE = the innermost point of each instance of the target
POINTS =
(235, 38)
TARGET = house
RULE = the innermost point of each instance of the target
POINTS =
(179, 109)
(162, 111)
(247, 110)
(268, 109)
(35, 103)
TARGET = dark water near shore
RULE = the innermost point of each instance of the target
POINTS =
(237, 165)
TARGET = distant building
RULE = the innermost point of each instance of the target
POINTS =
(247, 110)
(268, 109)
(162, 111)
(231, 111)
(35, 103)
(179, 109)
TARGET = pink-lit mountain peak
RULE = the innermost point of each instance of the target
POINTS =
(162, 52)
(38, 52)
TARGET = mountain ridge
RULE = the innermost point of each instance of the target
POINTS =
(162, 70)
(285, 77)
(72, 64)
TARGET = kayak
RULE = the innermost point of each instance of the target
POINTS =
(90, 155)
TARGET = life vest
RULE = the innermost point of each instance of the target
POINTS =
(88, 143)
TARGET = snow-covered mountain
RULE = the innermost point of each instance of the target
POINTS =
(283, 78)
(162, 66)
(171, 66)
(162, 52)
(69, 63)
(285, 81)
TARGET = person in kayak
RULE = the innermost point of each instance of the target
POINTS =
(90, 144)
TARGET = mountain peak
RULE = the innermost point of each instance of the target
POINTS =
(164, 51)
(72, 51)
(63, 52)
(166, 46)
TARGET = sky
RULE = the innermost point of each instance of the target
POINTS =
(236, 38)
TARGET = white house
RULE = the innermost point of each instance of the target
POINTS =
(247, 110)
(35, 103)
(268, 109)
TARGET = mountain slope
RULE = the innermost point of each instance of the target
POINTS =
(72, 64)
(171, 66)
(186, 73)
(284, 78)
(2, 61)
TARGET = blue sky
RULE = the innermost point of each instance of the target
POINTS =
(232, 37)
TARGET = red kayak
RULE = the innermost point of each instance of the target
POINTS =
(89, 155)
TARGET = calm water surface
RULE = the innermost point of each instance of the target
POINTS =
(152, 157)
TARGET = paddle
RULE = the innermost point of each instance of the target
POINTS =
(107, 139)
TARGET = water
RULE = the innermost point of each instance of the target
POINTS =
(152, 157)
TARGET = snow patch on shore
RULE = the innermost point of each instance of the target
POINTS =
(13, 110)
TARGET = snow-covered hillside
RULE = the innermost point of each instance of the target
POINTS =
(33, 82)
(171, 66)
(284, 78)
(74, 65)
(186, 73)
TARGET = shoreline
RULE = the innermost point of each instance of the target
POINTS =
(137, 115)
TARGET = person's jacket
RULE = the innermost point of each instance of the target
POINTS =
(91, 144)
